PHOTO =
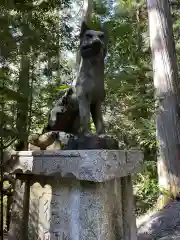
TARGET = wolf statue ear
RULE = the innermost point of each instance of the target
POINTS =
(84, 28)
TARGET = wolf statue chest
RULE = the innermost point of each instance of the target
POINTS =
(90, 81)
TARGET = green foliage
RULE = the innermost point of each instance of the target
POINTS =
(41, 33)
(33, 36)
(146, 188)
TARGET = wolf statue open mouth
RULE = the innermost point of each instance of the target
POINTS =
(92, 43)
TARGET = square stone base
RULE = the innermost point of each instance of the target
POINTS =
(68, 195)
(75, 210)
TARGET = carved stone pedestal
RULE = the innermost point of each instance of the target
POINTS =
(74, 195)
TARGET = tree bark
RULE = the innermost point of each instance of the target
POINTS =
(166, 93)
(23, 106)
(86, 17)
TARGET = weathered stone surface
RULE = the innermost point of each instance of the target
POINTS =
(61, 140)
(75, 195)
(128, 209)
(76, 210)
(162, 225)
(91, 165)
(19, 215)
(90, 142)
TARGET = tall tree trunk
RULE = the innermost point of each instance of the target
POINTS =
(86, 17)
(166, 92)
(22, 106)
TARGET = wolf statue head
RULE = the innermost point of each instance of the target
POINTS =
(92, 43)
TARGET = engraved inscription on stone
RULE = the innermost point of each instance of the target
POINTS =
(47, 236)
(54, 215)
(55, 236)
(46, 210)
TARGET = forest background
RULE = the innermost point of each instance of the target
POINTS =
(38, 48)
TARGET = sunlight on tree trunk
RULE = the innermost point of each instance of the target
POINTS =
(86, 16)
(166, 93)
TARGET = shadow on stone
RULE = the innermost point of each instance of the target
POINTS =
(162, 224)
(91, 142)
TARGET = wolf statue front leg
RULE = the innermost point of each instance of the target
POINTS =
(97, 117)
(84, 113)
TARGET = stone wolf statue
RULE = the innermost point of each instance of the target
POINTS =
(89, 85)
(71, 113)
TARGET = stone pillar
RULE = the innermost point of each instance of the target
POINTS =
(76, 195)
